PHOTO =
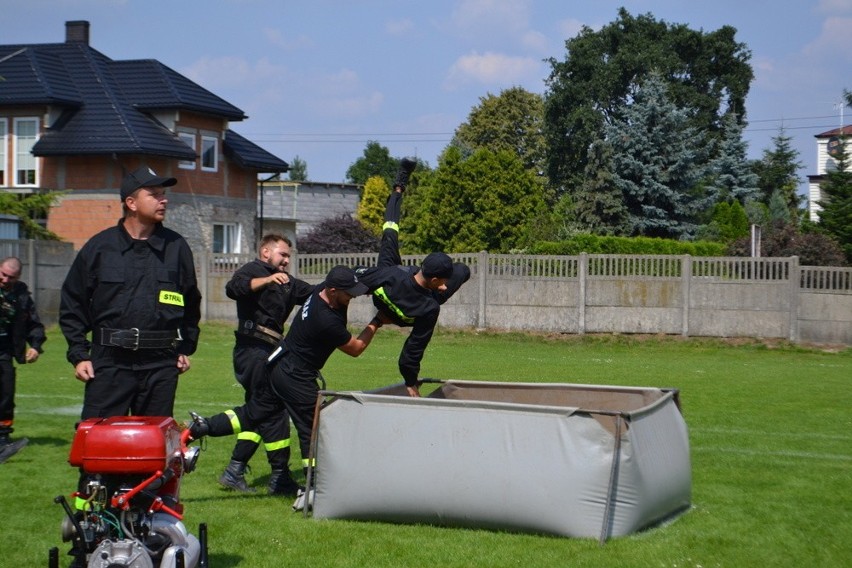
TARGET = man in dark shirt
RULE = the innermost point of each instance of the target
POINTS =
(265, 295)
(410, 296)
(19, 326)
(133, 287)
(318, 329)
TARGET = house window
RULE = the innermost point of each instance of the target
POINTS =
(26, 134)
(209, 154)
(226, 237)
(187, 138)
(3, 143)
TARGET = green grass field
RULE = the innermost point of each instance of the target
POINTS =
(769, 428)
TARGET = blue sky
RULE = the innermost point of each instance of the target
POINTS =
(319, 78)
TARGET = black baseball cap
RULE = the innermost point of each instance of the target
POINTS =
(343, 278)
(143, 176)
(437, 265)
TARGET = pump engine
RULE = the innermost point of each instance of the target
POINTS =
(128, 511)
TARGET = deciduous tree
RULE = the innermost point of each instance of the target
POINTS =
(29, 209)
(371, 208)
(484, 202)
(706, 71)
(513, 121)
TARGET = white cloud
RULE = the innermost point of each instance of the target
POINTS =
(834, 41)
(491, 69)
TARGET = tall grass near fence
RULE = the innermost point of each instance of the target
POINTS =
(769, 432)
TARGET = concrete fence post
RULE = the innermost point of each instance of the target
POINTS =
(686, 279)
(582, 271)
(795, 284)
(482, 271)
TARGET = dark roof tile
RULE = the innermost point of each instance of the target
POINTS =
(107, 105)
(250, 155)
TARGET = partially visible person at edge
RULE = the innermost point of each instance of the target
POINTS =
(133, 287)
(410, 296)
(318, 329)
(265, 295)
(19, 326)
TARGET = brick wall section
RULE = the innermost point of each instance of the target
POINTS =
(76, 218)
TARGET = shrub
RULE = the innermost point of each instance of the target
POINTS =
(336, 235)
(783, 239)
(595, 244)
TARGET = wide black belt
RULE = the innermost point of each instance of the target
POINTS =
(249, 328)
(135, 338)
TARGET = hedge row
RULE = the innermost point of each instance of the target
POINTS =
(595, 244)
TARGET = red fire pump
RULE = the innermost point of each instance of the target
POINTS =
(129, 513)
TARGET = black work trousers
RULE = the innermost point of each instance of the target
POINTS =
(251, 371)
(286, 390)
(116, 391)
(7, 393)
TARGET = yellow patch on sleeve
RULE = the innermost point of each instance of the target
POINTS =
(173, 298)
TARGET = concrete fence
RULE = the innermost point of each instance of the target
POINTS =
(679, 295)
(683, 295)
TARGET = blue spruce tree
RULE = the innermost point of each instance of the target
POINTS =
(659, 161)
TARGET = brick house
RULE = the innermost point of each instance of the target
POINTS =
(825, 164)
(73, 120)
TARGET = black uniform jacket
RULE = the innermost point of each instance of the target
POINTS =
(118, 282)
(270, 306)
(407, 304)
(26, 327)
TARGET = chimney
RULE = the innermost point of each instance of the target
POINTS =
(77, 32)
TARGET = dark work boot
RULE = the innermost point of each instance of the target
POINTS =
(198, 427)
(234, 477)
(406, 166)
(280, 483)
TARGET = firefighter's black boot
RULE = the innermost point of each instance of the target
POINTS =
(280, 483)
(234, 477)
(406, 166)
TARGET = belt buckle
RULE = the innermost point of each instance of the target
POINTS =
(178, 338)
(135, 330)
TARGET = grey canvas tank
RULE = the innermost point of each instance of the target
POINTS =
(565, 459)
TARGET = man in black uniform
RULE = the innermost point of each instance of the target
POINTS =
(318, 328)
(409, 296)
(265, 294)
(133, 288)
(19, 325)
